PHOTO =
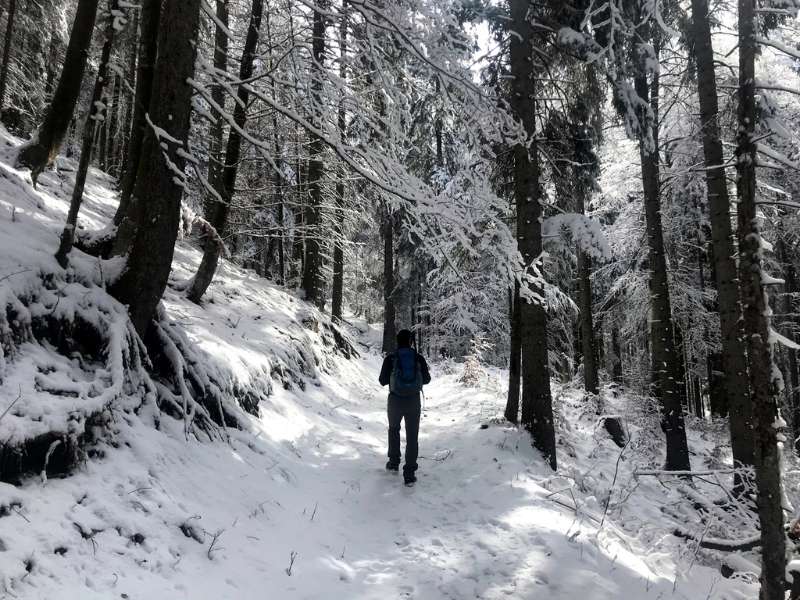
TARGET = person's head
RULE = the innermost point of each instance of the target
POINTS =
(404, 338)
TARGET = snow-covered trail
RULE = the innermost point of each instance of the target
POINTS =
(311, 490)
(476, 525)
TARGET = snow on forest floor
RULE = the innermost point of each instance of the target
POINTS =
(299, 505)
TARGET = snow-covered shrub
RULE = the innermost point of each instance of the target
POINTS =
(473, 373)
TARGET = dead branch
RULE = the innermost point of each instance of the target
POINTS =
(214, 538)
(720, 544)
(292, 557)
(10, 406)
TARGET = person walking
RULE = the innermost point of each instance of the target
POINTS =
(405, 372)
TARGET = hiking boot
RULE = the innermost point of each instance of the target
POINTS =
(409, 479)
(390, 466)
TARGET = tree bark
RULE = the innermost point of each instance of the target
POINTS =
(514, 373)
(763, 388)
(277, 176)
(216, 152)
(665, 368)
(218, 211)
(733, 357)
(148, 232)
(337, 295)
(148, 44)
(389, 310)
(102, 131)
(97, 115)
(130, 87)
(790, 311)
(313, 283)
(114, 97)
(43, 147)
(537, 404)
(591, 376)
(12, 11)
(616, 349)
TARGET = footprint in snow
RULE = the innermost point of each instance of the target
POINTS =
(500, 524)
(484, 546)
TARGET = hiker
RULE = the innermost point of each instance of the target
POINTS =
(405, 372)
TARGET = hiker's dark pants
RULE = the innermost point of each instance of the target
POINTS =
(407, 408)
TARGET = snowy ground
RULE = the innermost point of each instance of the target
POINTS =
(480, 523)
(298, 505)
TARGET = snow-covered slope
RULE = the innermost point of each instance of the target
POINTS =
(297, 505)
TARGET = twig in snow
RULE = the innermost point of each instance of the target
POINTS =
(314, 514)
(441, 457)
(711, 589)
(292, 557)
(14, 273)
(699, 545)
(20, 513)
(214, 538)
(13, 402)
(613, 482)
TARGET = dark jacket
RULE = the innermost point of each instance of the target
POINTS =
(388, 366)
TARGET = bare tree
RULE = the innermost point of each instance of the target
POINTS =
(537, 403)
(42, 148)
(219, 208)
(147, 233)
(763, 388)
(734, 356)
(12, 11)
(313, 283)
(97, 116)
(148, 42)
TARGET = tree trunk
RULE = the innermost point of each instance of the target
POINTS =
(43, 147)
(102, 130)
(337, 299)
(277, 176)
(111, 123)
(763, 388)
(148, 232)
(616, 349)
(389, 311)
(148, 43)
(537, 404)
(130, 87)
(591, 377)
(664, 359)
(789, 309)
(313, 283)
(97, 114)
(216, 151)
(733, 356)
(12, 11)
(52, 63)
(219, 211)
(512, 403)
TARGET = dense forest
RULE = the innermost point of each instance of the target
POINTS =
(592, 204)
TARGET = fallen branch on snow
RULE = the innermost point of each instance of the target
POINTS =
(720, 544)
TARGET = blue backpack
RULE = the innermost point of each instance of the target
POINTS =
(406, 377)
